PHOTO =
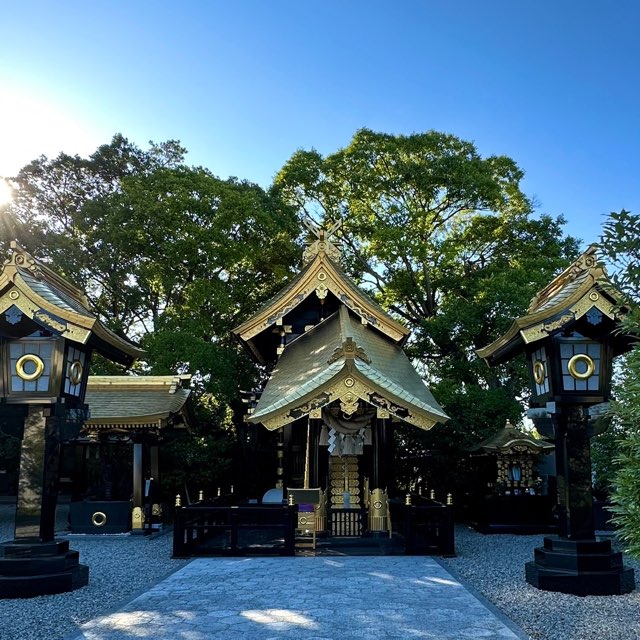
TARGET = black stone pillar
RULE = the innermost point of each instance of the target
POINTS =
(380, 479)
(576, 562)
(30, 510)
(34, 563)
(314, 439)
(138, 475)
(154, 464)
(579, 525)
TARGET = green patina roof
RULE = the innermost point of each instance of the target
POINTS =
(128, 401)
(305, 368)
(54, 303)
(565, 299)
(53, 294)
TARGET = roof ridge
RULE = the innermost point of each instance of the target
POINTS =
(586, 263)
(21, 259)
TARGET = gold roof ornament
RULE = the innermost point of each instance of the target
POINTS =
(28, 285)
(579, 290)
(320, 276)
(320, 241)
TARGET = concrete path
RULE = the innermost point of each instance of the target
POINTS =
(309, 598)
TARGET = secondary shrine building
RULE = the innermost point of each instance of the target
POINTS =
(338, 382)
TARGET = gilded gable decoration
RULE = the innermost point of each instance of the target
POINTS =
(583, 290)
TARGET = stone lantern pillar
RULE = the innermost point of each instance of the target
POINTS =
(47, 337)
(570, 337)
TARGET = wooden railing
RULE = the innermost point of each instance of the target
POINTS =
(428, 528)
(203, 529)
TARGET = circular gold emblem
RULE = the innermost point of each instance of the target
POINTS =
(14, 295)
(322, 276)
(303, 520)
(377, 504)
(75, 372)
(593, 296)
(584, 359)
(99, 519)
(538, 371)
(25, 361)
(349, 382)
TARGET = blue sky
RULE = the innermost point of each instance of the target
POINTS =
(243, 84)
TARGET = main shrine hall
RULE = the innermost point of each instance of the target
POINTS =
(338, 381)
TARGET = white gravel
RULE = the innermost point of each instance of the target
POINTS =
(120, 566)
(493, 565)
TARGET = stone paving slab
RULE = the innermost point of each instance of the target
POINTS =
(310, 598)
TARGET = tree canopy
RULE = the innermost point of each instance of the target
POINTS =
(173, 256)
(447, 241)
(170, 256)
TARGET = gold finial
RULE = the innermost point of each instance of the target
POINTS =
(449, 499)
(201, 496)
(319, 241)
(290, 500)
(407, 499)
(432, 495)
(178, 501)
(219, 491)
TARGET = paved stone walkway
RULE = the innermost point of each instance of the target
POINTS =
(312, 598)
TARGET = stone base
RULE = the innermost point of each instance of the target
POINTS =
(579, 567)
(31, 568)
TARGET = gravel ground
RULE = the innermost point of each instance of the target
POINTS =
(494, 566)
(121, 566)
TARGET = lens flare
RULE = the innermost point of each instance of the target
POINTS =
(6, 193)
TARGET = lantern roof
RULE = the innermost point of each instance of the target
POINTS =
(49, 300)
(510, 438)
(582, 287)
(342, 360)
(320, 275)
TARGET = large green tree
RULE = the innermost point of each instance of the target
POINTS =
(446, 240)
(169, 255)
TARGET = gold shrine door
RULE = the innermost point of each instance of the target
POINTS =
(347, 513)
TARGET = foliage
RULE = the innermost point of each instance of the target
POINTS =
(621, 245)
(200, 460)
(169, 255)
(445, 240)
(604, 449)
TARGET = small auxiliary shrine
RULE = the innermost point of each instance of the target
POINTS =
(338, 382)
(508, 491)
(114, 461)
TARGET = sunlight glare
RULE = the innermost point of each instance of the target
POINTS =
(34, 126)
(6, 194)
